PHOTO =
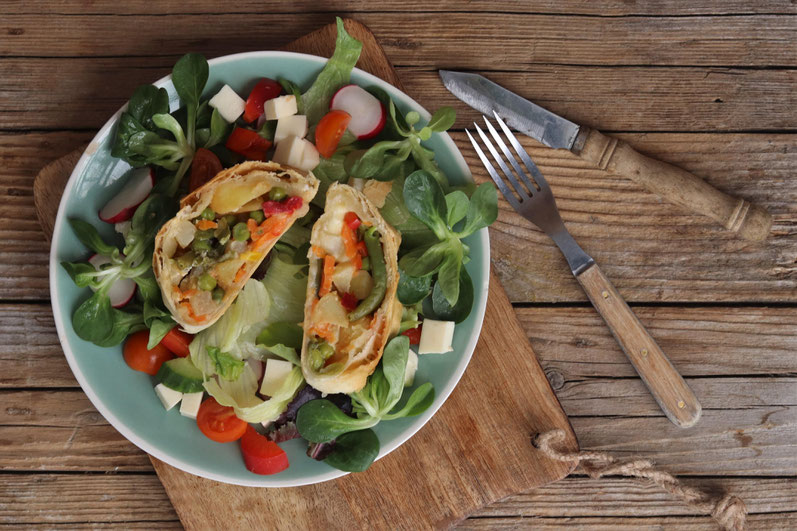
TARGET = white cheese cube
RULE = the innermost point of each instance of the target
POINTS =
(228, 103)
(189, 407)
(311, 157)
(278, 107)
(412, 366)
(290, 151)
(168, 397)
(276, 372)
(436, 337)
(295, 125)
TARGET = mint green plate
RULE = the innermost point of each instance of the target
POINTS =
(126, 397)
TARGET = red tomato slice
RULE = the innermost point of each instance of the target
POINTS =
(248, 143)
(139, 358)
(414, 334)
(329, 131)
(177, 342)
(204, 167)
(265, 90)
(218, 422)
(261, 455)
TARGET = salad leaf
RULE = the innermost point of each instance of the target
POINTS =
(189, 76)
(354, 451)
(457, 205)
(443, 310)
(88, 236)
(226, 366)
(425, 200)
(482, 210)
(147, 101)
(292, 88)
(241, 395)
(288, 334)
(412, 290)
(286, 285)
(335, 74)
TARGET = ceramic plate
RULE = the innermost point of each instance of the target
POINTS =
(126, 397)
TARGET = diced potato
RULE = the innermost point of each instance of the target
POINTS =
(184, 232)
(362, 284)
(229, 104)
(225, 272)
(334, 245)
(343, 275)
(169, 246)
(280, 106)
(295, 125)
(230, 197)
(329, 310)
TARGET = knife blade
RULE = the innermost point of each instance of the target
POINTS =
(610, 154)
(529, 118)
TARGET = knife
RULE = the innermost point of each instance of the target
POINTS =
(610, 154)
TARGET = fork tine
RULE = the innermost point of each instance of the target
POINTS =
(535, 172)
(511, 158)
(507, 172)
(494, 174)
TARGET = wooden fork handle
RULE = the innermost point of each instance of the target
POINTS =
(674, 184)
(669, 389)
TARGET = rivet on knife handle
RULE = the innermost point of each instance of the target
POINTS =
(674, 184)
(669, 389)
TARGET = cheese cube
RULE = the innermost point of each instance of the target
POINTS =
(290, 151)
(280, 106)
(412, 366)
(168, 397)
(228, 103)
(311, 157)
(189, 407)
(436, 337)
(295, 125)
(276, 372)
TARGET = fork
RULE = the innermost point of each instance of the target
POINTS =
(531, 197)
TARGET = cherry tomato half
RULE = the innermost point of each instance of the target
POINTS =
(139, 358)
(329, 131)
(218, 422)
(204, 167)
(414, 334)
(177, 342)
(262, 455)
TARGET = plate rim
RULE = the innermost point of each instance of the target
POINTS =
(174, 460)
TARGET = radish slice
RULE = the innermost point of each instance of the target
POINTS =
(367, 112)
(122, 290)
(122, 206)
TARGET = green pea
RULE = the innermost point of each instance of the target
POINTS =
(218, 294)
(208, 214)
(367, 263)
(207, 282)
(230, 219)
(200, 245)
(240, 233)
(185, 260)
(257, 215)
(277, 193)
(319, 354)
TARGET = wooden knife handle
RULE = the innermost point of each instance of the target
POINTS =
(674, 184)
(669, 389)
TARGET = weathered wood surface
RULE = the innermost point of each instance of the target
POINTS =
(706, 85)
(650, 249)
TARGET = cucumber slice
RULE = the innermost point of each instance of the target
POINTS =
(181, 375)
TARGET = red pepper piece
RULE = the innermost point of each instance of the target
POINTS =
(248, 143)
(414, 334)
(349, 301)
(352, 220)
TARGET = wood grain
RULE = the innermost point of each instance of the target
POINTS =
(652, 250)
(607, 98)
(668, 388)
(122, 501)
(492, 41)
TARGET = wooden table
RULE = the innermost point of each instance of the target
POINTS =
(709, 86)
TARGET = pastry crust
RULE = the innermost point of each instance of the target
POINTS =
(361, 362)
(233, 190)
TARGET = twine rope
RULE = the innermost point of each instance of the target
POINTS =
(729, 511)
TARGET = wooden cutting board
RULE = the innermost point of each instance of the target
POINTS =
(474, 451)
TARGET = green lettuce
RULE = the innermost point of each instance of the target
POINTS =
(334, 75)
(286, 285)
(242, 395)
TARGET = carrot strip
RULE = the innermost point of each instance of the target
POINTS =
(198, 318)
(349, 241)
(326, 278)
(205, 224)
(318, 251)
(240, 274)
